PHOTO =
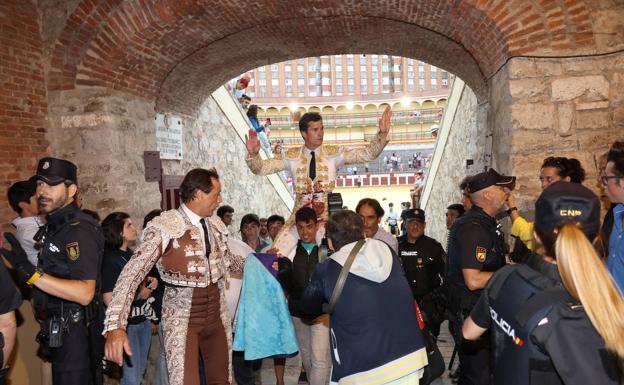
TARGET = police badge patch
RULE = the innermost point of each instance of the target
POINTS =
(73, 251)
(481, 253)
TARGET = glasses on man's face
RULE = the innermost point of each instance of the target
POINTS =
(605, 178)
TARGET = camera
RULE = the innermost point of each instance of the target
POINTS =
(334, 204)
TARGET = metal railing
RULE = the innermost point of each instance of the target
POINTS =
(361, 119)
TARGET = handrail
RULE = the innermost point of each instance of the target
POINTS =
(232, 111)
(432, 115)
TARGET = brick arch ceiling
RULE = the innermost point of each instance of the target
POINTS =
(178, 51)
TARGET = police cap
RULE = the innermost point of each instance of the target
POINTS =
(563, 202)
(54, 171)
(415, 214)
(490, 178)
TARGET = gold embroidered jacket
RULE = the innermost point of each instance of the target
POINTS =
(328, 159)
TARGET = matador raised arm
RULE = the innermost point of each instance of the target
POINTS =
(314, 166)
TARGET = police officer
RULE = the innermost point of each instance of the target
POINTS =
(423, 260)
(555, 328)
(10, 300)
(66, 279)
(476, 251)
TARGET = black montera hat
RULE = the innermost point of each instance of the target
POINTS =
(490, 178)
(54, 171)
(563, 202)
(415, 214)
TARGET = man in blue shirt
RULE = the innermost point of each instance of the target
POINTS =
(613, 180)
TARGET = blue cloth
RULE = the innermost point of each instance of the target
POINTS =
(263, 324)
(254, 122)
(140, 338)
(615, 262)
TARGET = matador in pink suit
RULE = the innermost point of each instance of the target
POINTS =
(314, 167)
(191, 253)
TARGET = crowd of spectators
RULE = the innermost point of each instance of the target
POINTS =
(402, 268)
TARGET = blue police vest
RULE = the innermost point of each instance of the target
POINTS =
(519, 299)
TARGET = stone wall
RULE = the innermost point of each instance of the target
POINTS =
(562, 107)
(105, 133)
(463, 136)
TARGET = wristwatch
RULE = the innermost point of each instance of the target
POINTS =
(511, 209)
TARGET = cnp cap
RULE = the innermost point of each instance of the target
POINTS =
(490, 178)
(564, 202)
(415, 214)
(54, 171)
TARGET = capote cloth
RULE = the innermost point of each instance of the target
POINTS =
(263, 324)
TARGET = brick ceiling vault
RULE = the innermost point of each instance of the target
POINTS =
(177, 52)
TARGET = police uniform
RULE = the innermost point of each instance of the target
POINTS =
(540, 333)
(10, 299)
(475, 242)
(72, 248)
(424, 267)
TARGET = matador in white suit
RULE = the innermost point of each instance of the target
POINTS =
(314, 167)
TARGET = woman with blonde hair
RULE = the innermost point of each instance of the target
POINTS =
(565, 324)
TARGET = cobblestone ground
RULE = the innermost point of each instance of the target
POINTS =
(293, 365)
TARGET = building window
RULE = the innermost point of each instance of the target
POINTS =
(263, 91)
(384, 67)
(289, 90)
(274, 74)
(397, 81)
(325, 67)
(262, 75)
(300, 75)
(325, 81)
(445, 83)
(312, 67)
(396, 68)
(349, 59)
(375, 89)
(262, 69)
(338, 80)
(300, 82)
(363, 69)
(421, 74)
(410, 74)
(288, 68)
(311, 93)
(312, 81)
(338, 60)
(351, 81)
(434, 84)
(301, 94)
(350, 75)
(351, 90)
(374, 60)
(375, 81)
(326, 93)
(275, 82)
(275, 90)
(385, 81)
(288, 82)
(274, 67)
(421, 84)
(363, 81)
(433, 75)
(338, 88)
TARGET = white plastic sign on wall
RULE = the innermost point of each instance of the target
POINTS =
(169, 136)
